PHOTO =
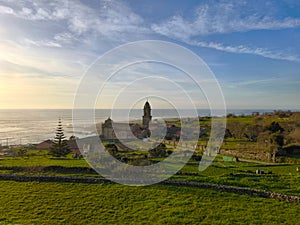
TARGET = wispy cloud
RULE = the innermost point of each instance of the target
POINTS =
(223, 17)
(60, 35)
(228, 17)
(65, 38)
(115, 21)
(39, 10)
(256, 82)
(109, 18)
(41, 43)
(39, 62)
(246, 50)
(6, 10)
(47, 44)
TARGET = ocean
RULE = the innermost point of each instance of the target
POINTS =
(24, 126)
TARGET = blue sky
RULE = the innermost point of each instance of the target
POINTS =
(252, 47)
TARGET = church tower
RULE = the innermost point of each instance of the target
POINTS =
(147, 115)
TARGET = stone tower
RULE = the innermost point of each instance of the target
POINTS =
(147, 115)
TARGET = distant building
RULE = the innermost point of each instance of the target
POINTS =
(109, 129)
(147, 115)
(73, 146)
(48, 144)
(45, 144)
(173, 132)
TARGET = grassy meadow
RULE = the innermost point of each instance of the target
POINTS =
(279, 177)
(65, 203)
(78, 203)
(104, 203)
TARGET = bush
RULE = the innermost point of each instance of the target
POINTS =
(159, 151)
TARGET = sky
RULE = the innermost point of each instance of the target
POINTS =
(252, 47)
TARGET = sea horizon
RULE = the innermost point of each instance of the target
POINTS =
(22, 126)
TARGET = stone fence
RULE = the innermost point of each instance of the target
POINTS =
(235, 189)
(246, 154)
(90, 180)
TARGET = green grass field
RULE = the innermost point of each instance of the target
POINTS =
(42, 160)
(65, 203)
(78, 203)
(282, 178)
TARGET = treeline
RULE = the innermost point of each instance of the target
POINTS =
(276, 131)
(260, 127)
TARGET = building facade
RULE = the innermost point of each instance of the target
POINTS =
(109, 129)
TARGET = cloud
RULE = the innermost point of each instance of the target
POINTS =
(257, 82)
(6, 10)
(228, 17)
(42, 62)
(7, 68)
(65, 38)
(116, 22)
(80, 19)
(224, 17)
(41, 43)
(246, 50)
(64, 33)
(39, 10)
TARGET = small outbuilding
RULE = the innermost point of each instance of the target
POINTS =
(45, 144)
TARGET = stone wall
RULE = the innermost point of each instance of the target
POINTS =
(237, 190)
(231, 189)
(247, 154)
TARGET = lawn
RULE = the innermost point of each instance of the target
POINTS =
(42, 160)
(65, 203)
(282, 178)
(78, 203)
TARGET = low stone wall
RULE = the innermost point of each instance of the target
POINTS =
(42, 178)
(90, 180)
(237, 190)
(246, 154)
(56, 169)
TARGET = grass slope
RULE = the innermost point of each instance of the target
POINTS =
(65, 203)
(284, 177)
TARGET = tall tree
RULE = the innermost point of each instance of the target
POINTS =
(276, 139)
(60, 145)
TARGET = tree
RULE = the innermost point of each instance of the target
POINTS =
(112, 149)
(22, 152)
(276, 139)
(275, 127)
(60, 145)
(158, 151)
(73, 138)
(228, 134)
(251, 132)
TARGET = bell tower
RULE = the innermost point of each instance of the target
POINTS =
(147, 115)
